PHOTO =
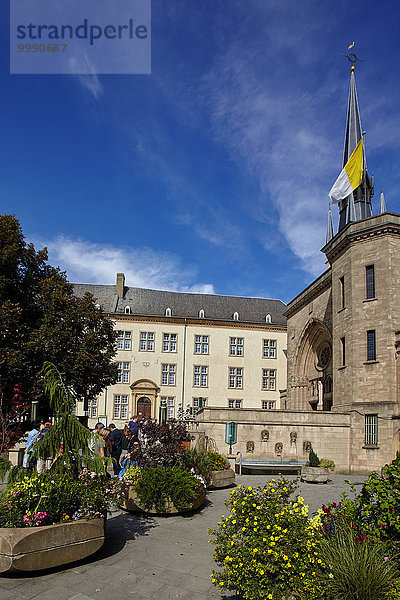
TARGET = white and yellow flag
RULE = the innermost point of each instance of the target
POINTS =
(350, 177)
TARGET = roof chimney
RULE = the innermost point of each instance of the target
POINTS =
(119, 287)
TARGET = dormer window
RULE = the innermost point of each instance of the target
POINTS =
(168, 312)
(97, 306)
(127, 310)
(236, 316)
(201, 314)
(268, 319)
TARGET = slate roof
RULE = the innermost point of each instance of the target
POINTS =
(147, 302)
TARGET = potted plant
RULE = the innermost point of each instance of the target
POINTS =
(58, 516)
(221, 473)
(316, 470)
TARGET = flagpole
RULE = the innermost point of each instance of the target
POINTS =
(365, 174)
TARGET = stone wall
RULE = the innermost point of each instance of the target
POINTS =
(269, 434)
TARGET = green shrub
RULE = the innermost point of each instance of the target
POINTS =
(217, 462)
(356, 568)
(197, 461)
(43, 499)
(158, 485)
(378, 505)
(267, 547)
(313, 459)
(327, 464)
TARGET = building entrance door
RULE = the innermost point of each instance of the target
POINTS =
(144, 408)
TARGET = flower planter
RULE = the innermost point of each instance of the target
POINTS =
(36, 548)
(221, 479)
(315, 474)
(132, 503)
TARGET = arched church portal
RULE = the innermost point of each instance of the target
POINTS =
(313, 368)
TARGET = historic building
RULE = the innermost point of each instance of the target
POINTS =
(179, 352)
(343, 383)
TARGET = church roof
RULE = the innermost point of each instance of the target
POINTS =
(147, 302)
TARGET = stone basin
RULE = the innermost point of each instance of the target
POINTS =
(36, 548)
(221, 479)
(132, 503)
(315, 474)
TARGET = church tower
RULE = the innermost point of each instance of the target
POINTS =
(357, 206)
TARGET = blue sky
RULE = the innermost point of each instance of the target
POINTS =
(212, 173)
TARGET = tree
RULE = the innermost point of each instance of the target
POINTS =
(42, 320)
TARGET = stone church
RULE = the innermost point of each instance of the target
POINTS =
(343, 346)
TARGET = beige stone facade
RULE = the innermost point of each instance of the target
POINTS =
(181, 363)
(343, 340)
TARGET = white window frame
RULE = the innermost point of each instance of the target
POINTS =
(200, 376)
(196, 404)
(168, 374)
(269, 380)
(235, 378)
(120, 406)
(268, 404)
(93, 408)
(146, 341)
(236, 346)
(170, 342)
(124, 340)
(269, 348)
(124, 371)
(201, 344)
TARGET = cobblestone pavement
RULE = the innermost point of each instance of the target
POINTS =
(160, 558)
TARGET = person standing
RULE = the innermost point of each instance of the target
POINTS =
(116, 436)
(29, 443)
(93, 444)
(43, 464)
(134, 427)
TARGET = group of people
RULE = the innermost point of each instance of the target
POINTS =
(123, 447)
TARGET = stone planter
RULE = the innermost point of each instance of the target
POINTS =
(132, 503)
(36, 548)
(221, 479)
(315, 474)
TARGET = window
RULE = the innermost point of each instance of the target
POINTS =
(201, 314)
(370, 282)
(200, 376)
(127, 310)
(341, 284)
(235, 377)
(236, 346)
(169, 342)
(343, 350)
(234, 403)
(269, 349)
(120, 410)
(201, 344)
(123, 372)
(168, 374)
(168, 312)
(371, 430)
(268, 404)
(268, 319)
(124, 340)
(92, 408)
(146, 341)
(235, 316)
(170, 404)
(269, 379)
(198, 403)
(371, 345)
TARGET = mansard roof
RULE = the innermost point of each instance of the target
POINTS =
(147, 302)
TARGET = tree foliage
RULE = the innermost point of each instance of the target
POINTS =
(42, 320)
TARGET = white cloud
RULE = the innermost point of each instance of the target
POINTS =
(80, 63)
(88, 262)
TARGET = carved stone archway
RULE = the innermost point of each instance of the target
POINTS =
(313, 378)
(144, 393)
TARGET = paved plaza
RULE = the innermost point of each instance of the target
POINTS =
(154, 558)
